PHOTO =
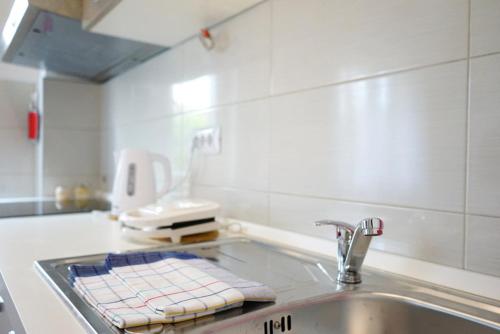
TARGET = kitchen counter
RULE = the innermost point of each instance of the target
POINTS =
(25, 240)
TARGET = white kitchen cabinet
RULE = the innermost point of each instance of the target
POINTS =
(163, 22)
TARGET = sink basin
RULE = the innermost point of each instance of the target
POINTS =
(357, 313)
(309, 300)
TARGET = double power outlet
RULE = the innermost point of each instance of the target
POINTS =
(207, 141)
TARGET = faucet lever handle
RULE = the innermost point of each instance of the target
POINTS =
(353, 243)
(341, 226)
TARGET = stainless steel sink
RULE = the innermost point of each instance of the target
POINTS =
(309, 298)
(356, 313)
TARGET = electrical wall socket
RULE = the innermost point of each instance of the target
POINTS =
(207, 141)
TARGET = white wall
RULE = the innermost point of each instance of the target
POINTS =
(341, 110)
(17, 153)
(71, 134)
(11, 72)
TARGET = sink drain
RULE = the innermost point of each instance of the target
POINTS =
(276, 326)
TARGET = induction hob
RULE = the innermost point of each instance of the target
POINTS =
(49, 207)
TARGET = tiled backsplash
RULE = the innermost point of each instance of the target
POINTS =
(17, 153)
(341, 110)
(71, 134)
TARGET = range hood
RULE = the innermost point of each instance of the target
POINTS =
(40, 36)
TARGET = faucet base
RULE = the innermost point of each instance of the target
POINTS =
(349, 277)
(353, 243)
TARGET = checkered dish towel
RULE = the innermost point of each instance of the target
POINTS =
(162, 287)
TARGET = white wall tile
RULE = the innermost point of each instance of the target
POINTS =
(392, 146)
(17, 162)
(14, 101)
(239, 204)
(17, 152)
(398, 139)
(317, 42)
(484, 149)
(483, 238)
(71, 134)
(243, 162)
(145, 92)
(237, 69)
(71, 105)
(17, 185)
(71, 152)
(107, 159)
(427, 235)
(162, 136)
(484, 26)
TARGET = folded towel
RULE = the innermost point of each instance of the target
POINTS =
(252, 291)
(173, 287)
(162, 287)
(116, 302)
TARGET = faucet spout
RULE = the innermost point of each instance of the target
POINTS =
(353, 243)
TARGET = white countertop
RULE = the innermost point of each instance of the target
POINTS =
(27, 239)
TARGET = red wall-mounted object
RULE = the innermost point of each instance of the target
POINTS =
(206, 39)
(33, 125)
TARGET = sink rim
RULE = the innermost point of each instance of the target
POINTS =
(354, 294)
(487, 311)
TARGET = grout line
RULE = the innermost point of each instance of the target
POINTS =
(494, 53)
(269, 111)
(464, 240)
(335, 199)
(107, 127)
(272, 95)
(74, 80)
(40, 147)
(186, 186)
(373, 76)
(467, 136)
(142, 120)
(71, 175)
(16, 173)
(13, 128)
(271, 46)
(63, 128)
(339, 83)
(484, 215)
(129, 123)
(103, 143)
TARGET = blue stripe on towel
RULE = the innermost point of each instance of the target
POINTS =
(86, 271)
(121, 260)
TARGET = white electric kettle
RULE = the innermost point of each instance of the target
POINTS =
(134, 184)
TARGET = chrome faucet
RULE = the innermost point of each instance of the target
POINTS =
(353, 242)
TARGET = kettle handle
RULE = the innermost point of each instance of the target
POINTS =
(167, 174)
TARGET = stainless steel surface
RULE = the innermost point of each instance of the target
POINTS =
(353, 242)
(357, 313)
(37, 38)
(307, 292)
(50, 207)
(9, 319)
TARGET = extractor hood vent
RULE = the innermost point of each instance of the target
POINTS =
(43, 39)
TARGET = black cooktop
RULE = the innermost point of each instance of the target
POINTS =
(41, 208)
